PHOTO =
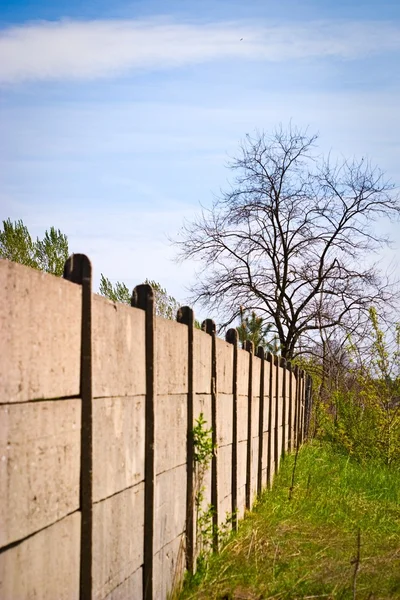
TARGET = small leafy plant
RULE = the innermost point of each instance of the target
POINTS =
(203, 452)
(366, 416)
(204, 449)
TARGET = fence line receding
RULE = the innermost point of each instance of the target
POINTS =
(98, 403)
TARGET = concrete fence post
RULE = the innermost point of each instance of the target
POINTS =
(232, 338)
(78, 269)
(209, 327)
(186, 316)
(261, 356)
(143, 298)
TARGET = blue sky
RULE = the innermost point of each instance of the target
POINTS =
(118, 118)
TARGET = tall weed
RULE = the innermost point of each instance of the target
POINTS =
(363, 411)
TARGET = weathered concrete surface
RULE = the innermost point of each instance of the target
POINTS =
(45, 566)
(255, 415)
(255, 420)
(169, 566)
(118, 349)
(171, 357)
(224, 352)
(130, 589)
(224, 459)
(243, 372)
(242, 458)
(280, 387)
(256, 379)
(267, 369)
(265, 450)
(254, 467)
(171, 432)
(270, 390)
(225, 514)
(40, 343)
(202, 362)
(280, 442)
(241, 501)
(273, 403)
(170, 506)
(272, 472)
(264, 478)
(224, 419)
(39, 465)
(117, 540)
(118, 444)
(242, 410)
(283, 402)
(293, 400)
(202, 404)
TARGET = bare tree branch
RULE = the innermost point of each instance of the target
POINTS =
(291, 239)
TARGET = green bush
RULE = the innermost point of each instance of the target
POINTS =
(362, 414)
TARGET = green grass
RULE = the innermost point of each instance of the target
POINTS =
(306, 547)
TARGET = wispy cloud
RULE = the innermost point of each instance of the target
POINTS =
(69, 50)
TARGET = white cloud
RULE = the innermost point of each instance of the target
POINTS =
(92, 49)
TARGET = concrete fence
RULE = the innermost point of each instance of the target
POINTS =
(98, 404)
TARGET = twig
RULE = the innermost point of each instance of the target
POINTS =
(293, 472)
(275, 557)
(250, 546)
(356, 562)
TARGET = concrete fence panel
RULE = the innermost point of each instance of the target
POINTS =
(45, 565)
(119, 367)
(255, 426)
(40, 343)
(242, 420)
(118, 542)
(40, 433)
(170, 451)
(202, 362)
(266, 369)
(202, 405)
(40, 466)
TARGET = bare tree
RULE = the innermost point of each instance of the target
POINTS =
(292, 240)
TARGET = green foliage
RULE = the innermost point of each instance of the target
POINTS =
(252, 328)
(307, 546)
(206, 531)
(166, 305)
(52, 252)
(116, 293)
(363, 412)
(48, 254)
(203, 450)
(202, 442)
(16, 243)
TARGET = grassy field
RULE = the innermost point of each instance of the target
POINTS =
(338, 536)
